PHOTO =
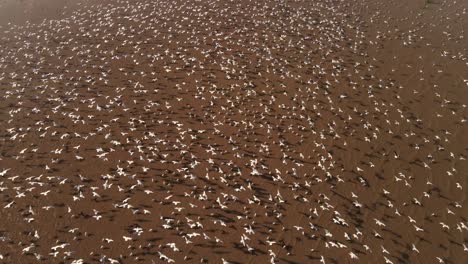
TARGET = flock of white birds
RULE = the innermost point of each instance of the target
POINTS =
(219, 131)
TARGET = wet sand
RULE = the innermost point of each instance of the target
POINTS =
(233, 131)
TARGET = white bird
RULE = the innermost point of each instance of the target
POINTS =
(4, 172)
(54, 248)
(414, 248)
(352, 255)
(165, 258)
(388, 261)
(28, 248)
(113, 261)
(249, 230)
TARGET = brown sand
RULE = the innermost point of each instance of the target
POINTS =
(236, 131)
